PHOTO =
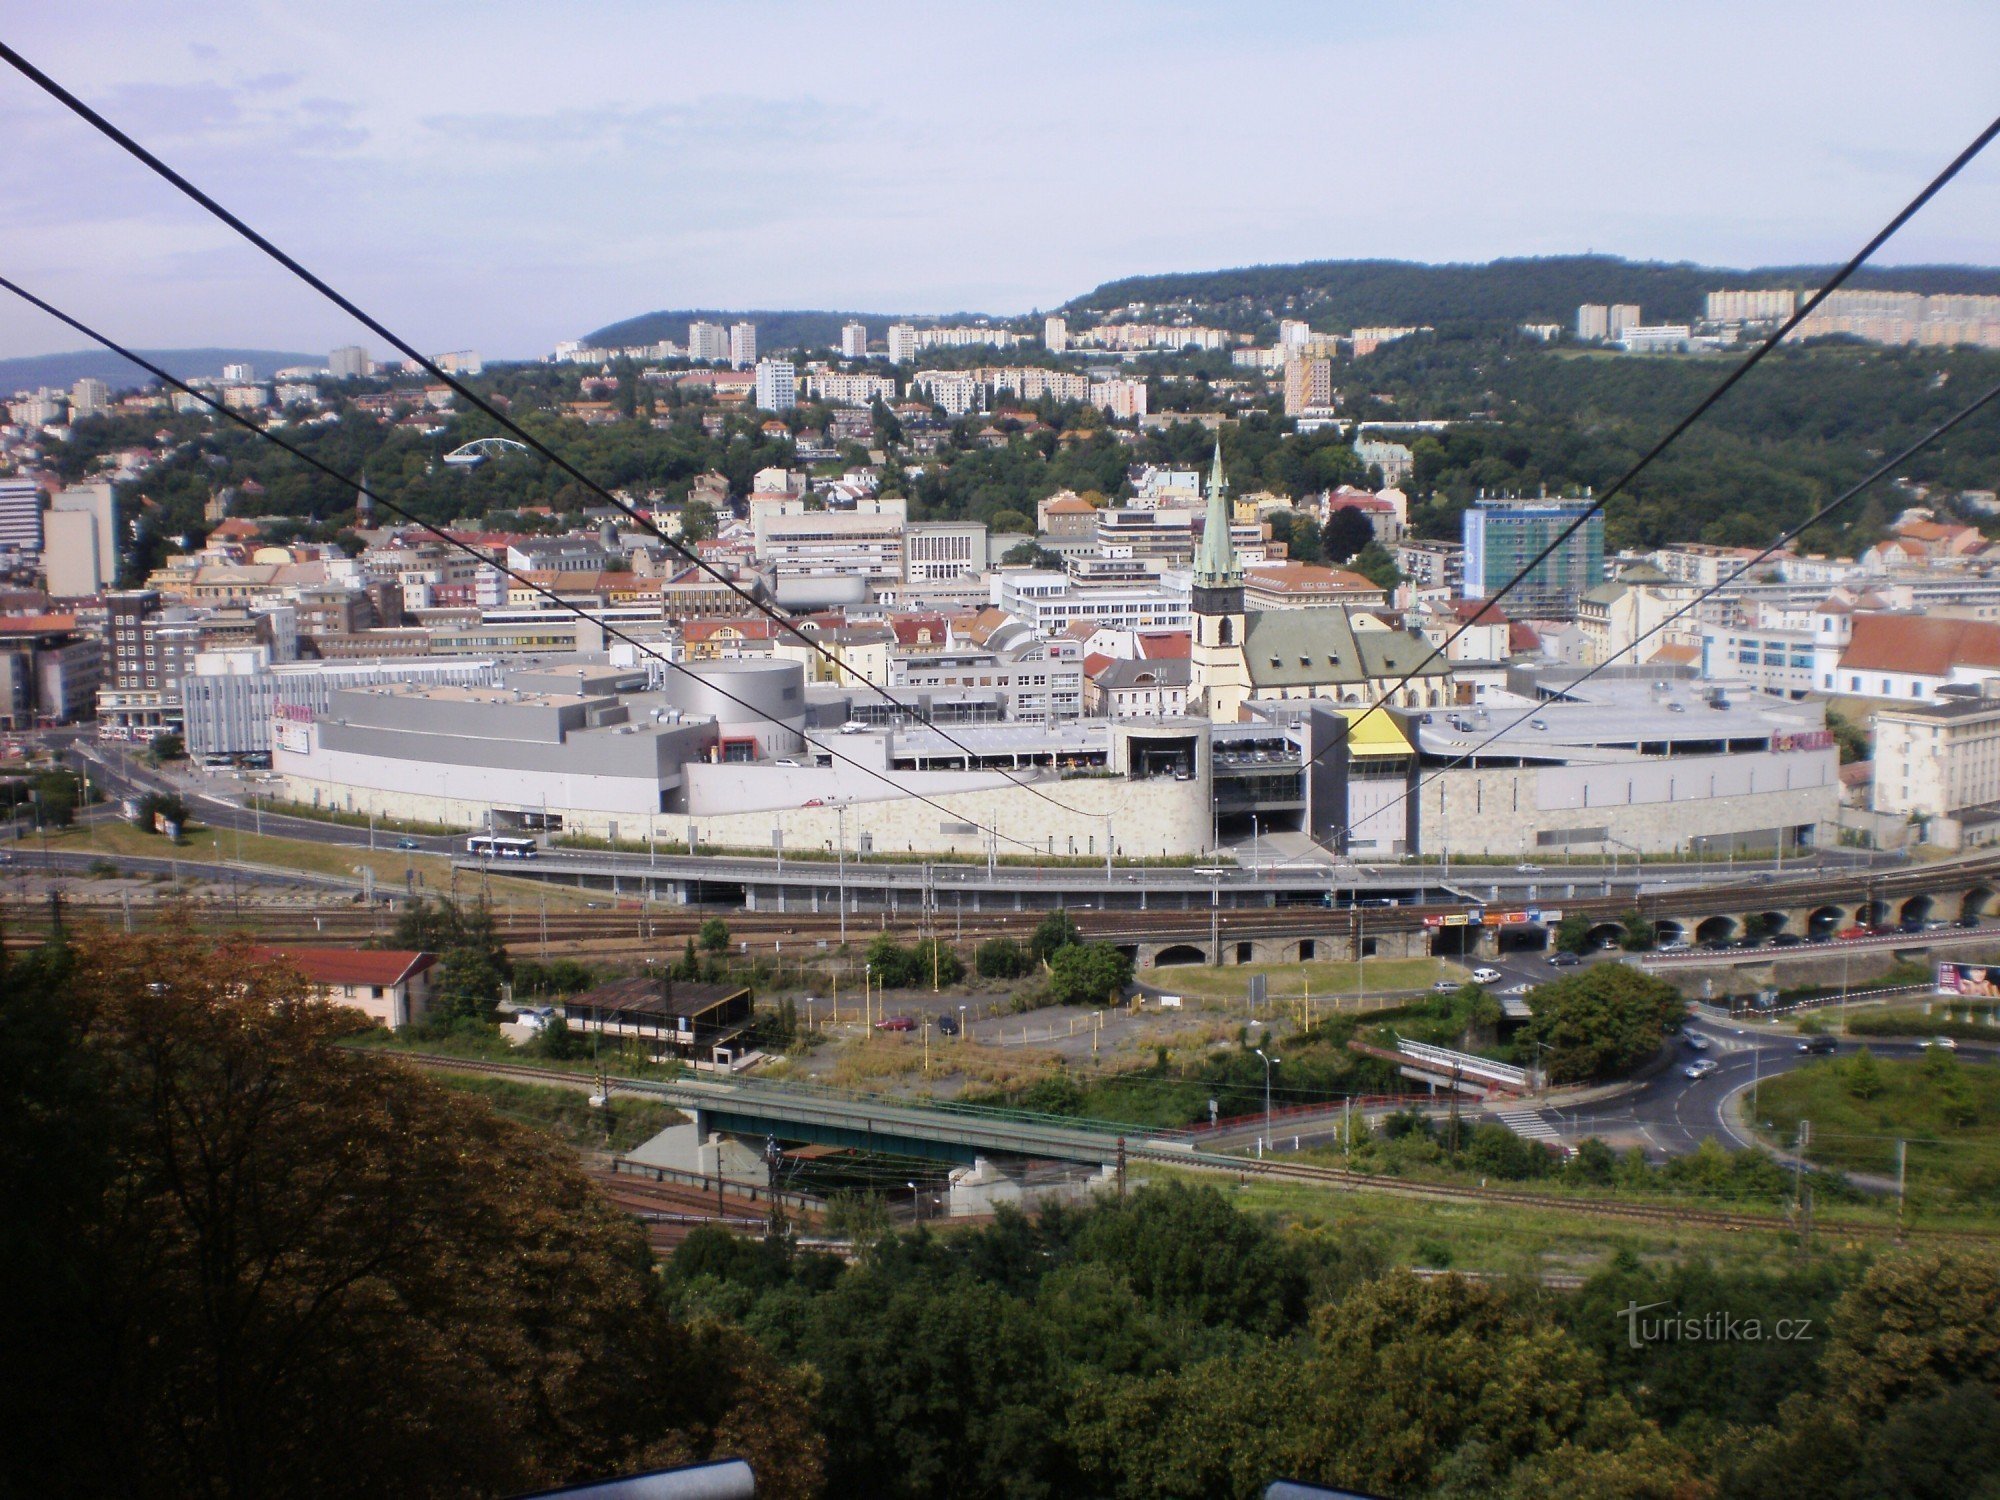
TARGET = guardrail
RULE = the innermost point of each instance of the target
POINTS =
(1463, 1064)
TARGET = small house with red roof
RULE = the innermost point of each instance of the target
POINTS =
(391, 986)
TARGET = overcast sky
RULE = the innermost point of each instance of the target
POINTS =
(501, 175)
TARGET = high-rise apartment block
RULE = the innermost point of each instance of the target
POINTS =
(742, 345)
(1055, 335)
(902, 343)
(350, 363)
(708, 343)
(461, 362)
(238, 374)
(1120, 400)
(854, 341)
(1623, 315)
(1308, 384)
(1502, 536)
(777, 385)
(1593, 321)
(80, 547)
(20, 515)
(1767, 305)
(88, 398)
(1293, 333)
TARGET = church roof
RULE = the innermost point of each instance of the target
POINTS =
(1311, 647)
(1215, 562)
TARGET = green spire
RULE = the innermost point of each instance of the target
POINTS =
(1215, 564)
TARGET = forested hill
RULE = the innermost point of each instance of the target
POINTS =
(33, 371)
(775, 330)
(1341, 294)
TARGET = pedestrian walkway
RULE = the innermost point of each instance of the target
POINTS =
(1529, 1124)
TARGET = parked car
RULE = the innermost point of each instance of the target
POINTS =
(1856, 931)
(1486, 976)
(947, 1025)
(1818, 1045)
(1786, 940)
(1696, 1041)
(407, 843)
(1563, 960)
(897, 1023)
(1696, 1071)
(1967, 922)
(1528, 869)
(1445, 987)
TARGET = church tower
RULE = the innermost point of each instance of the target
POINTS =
(1219, 677)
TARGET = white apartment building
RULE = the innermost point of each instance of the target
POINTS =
(854, 341)
(1055, 335)
(350, 362)
(1939, 760)
(1049, 602)
(20, 515)
(1770, 305)
(742, 345)
(1657, 338)
(1621, 316)
(39, 410)
(708, 342)
(461, 362)
(1030, 383)
(1393, 459)
(238, 374)
(957, 391)
(966, 338)
(1593, 320)
(88, 397)
(838, 389)
(832, 544)
(1120, 400)
(777, 385)
(943, 549)
(902, 343)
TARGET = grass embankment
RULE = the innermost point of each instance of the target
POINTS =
(1946, 1112)
(1336, 983)
(566, 1113)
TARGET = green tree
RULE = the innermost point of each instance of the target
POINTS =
(1573, 933)
(1056, 930)
(697, 521)
(55, 795)
(1374, 563)
(166, 747)
(1009, 522)
(473, 960)
(1849, 736)
(1031, 555)
(1863, 1075)
(1601, 1021)
(1000, 958)
(1088, 974)
(1347, 532)
(714, 936)
(1639, 935)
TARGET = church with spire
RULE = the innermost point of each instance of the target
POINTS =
(1343, 655)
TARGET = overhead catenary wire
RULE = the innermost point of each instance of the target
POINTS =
(645, 648)
(472, 397)
(1881, 471)
(1441, 651)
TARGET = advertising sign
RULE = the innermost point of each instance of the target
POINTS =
(1969, 981)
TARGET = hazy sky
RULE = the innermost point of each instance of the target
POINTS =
(501, 175)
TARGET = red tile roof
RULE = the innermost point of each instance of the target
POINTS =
(35, 624)
(344, 966)
(1920, 645)
(1165, 645)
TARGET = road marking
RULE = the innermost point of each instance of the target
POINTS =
(1529, 1123)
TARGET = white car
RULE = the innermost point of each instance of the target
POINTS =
(1486, 976)
(1528, 869)
(1942, 1043)
(1696, 1071)
(1445, 987)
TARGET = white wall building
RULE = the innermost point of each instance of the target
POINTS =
(902, 344)
(854, 341)
(777, 385)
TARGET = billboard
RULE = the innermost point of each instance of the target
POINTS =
(1969, 981)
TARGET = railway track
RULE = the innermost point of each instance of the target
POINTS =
(1273, 1168)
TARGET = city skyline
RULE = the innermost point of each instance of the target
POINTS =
(691, 161)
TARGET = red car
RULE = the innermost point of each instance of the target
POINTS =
(1855, 932)
(897, 1023)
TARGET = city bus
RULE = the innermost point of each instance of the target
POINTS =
(503, 848)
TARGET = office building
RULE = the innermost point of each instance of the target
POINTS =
(1055, 335)
(20, 516)
(97, 500)
(777, 383)
(854, 341)
(708, 343)
(742, 345)
(902, 343)
(350, 363)
(1941, 762)
(89, 398)
(943, 549)
(1502, 536)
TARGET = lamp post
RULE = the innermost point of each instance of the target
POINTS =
(962, 1023)
(840, 865)
(1270, 1062)
(916, 1208)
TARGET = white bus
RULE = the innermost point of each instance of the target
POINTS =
(504, 848)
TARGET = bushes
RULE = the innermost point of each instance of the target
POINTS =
(1601, 1022)
(1001, 958)
(1088, 974)
(927, 961)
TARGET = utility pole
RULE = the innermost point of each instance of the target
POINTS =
(1121, 1166)
(1798, 1179)
(1902, 1162)
(775, 1225)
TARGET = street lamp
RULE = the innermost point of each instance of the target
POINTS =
(1270, 1062)
(916, 1209)
(962, 1033)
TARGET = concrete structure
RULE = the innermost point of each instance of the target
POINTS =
(1393, 459)
(89, 398)
(391, 987)
(1308, 384)
(80, 565)
(21, 516)
(742, 345)
(1941, 764)
(1593, 320)
(902, 340)
(1502, 536)
(1055, 335)
(1913, 658)
(350, 362)
(664, 1019)
(944, 549)
(1765, 305)
(1050, 602)
(708, 343)
(230, 698)
(777, 384)
(854, 341)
